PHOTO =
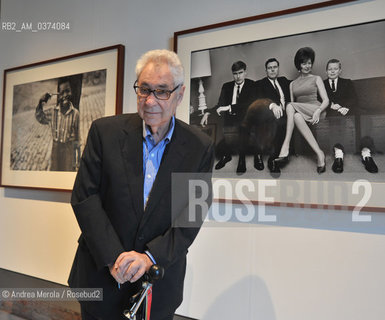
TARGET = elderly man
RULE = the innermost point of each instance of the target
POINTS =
(122, 195)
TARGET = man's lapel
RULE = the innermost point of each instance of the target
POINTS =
(230, 91)
(171, 161)
(132, 151)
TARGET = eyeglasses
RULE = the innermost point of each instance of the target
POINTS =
(160, 94)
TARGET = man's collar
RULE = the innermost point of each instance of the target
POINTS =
(147, 130)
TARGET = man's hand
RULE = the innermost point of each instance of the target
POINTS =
(130, 266)
(114, 273)
(205, 119)
(343, 111)
(277, 110)
(223, 108)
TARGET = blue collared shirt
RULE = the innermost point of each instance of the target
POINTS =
(152, 157)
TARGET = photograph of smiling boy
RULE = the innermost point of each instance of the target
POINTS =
(51, 118)
(63, 121)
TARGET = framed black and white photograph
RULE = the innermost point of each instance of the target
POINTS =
(48, 108)
(350, 171)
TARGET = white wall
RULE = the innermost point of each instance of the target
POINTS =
(303, 270)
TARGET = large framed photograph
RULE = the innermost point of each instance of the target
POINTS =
(48, 108)
(344, 35)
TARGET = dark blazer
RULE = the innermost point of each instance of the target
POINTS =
(345, 95)
(108, 203)
(238, 111)
(266, 90)
(269, 131)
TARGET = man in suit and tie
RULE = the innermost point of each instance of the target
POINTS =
(232, 104)
(267, 117)
(122, 195)
(342, 96)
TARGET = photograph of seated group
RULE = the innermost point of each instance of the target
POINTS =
(302, 106)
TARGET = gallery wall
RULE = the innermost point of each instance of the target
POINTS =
(311, 266)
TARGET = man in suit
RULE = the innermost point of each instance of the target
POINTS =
(232, 104)
(342, 96)
(267, 117)
(122, 196)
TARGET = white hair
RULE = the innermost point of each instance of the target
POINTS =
(162, 56)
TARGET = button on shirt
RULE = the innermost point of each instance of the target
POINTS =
(152, 157)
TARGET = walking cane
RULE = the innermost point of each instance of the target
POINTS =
(154, 273)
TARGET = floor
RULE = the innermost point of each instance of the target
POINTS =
(6, 316)
(9, 279)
